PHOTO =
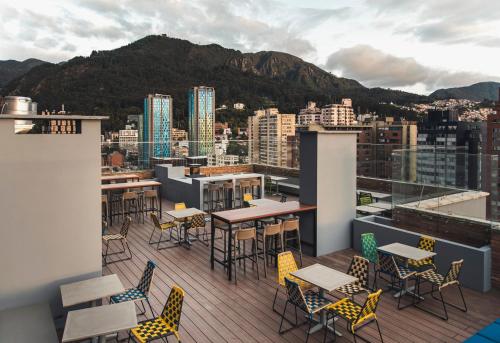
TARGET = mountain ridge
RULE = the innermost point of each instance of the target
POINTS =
(480, 91)
(11, 69)
(114, 82)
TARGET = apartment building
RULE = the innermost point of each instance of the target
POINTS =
(329, 115)
(128, 136)
(268, 136)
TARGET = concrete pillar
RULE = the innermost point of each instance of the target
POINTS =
(328, 180)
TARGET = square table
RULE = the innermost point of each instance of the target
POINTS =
(99, 321)
(276, 179)
(369, 209)
(183, 216)
(407, 252)
(91, 290)
(326, 279)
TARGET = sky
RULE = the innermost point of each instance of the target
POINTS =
(416, 46)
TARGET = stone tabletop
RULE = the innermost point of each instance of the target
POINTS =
(324, 277)
(186, 213)
(406, 251)
(90, 290)
(99, 321)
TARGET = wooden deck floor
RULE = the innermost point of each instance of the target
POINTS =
(216, 310)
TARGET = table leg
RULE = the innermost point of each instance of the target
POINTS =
(110, 205)
(229, 248)
(159, 199)
(322, 320)
(212, 241)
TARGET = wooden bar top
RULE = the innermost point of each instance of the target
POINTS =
(119, 177)
(264, 211)
(126, 185)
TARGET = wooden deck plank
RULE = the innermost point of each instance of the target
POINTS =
(216, 310)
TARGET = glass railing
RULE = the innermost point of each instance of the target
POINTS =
(447, 189)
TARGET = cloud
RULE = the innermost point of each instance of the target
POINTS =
(445, 21)
(374, 67)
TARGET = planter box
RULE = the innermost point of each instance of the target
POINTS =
(476, 272)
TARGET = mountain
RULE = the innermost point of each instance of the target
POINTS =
(12, 69)
(477, 92)
(115, 82)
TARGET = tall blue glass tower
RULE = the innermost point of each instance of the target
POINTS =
(157, 126)
(201, 108)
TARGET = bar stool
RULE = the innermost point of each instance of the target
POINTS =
(268, 233)
(130, 200)
(215, 196)
(206, 199)
(291, 226)
(228, 195)
(151, 197)
(243, 187)
(255, 186)
(105, 207)
(244, 235)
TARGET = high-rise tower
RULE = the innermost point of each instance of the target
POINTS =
(157, 126)
(201, 107)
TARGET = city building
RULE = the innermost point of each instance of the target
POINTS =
(309, 115)
(329, 115)
(179, 135)
(201, 117)
(222, 160)
(157, 126)
(449, 150)
(268, 132)
(338, 114)
(220, 127)
(128, 137)
(239, 106)
(492, 149)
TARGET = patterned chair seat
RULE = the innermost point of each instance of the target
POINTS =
(405, 272)
(152, 329)
(421, 264)
(346, 309)
(315, 302)
(352, 289)
(112, 237)
(168, 225)
(131, 294)
(432, 276)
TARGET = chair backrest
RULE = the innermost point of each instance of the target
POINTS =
(256, 183)
(244, 183)
(295, 295)
(426, 243)
(197, 221)
(283, 198)
(129, 195)
(125, 226)
(286, 265)
(104, 199)
(360, 268)
(150, 193)
(365, 198)
(369, 308)
(244, 234)
(173, 308)
(179, 206)
(453, 273)
(147, 278)
(369, 247)
(272, 229)
(156, 222)
(247, 197)
(290, 225)
(386, 263)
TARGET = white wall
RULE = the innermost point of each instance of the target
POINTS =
(50, 229)
(336, 190)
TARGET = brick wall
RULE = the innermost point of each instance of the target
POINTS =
(278, 171)
(459, 230)
(241, 168)
(495, 258)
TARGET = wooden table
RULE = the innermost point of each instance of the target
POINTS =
(119, 177)
(108, 188)
(90, 290)
(183, 216)
(406, 252)
(99, 321)
(326, 279)
(242, 215)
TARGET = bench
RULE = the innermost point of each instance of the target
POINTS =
(31, 323)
